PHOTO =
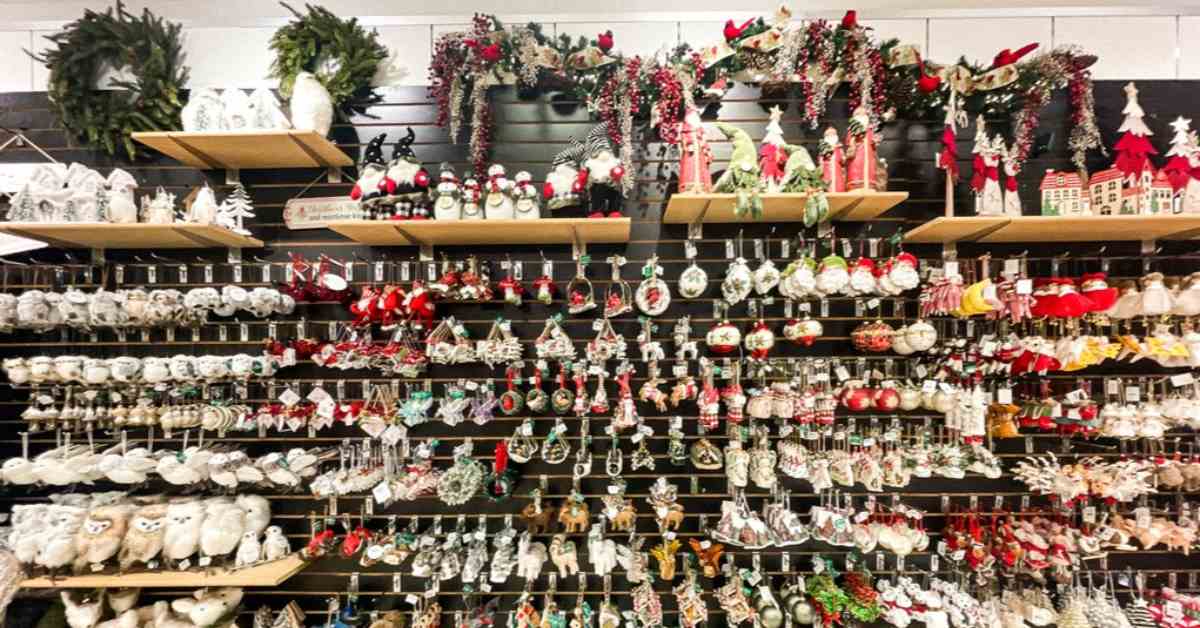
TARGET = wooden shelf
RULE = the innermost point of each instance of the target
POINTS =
(449, 232)
(265, 575)
(1057, 229)
(235, 150)
(685, 209)
(81, 235)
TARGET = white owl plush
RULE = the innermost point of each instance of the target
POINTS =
(185, 523)
(143, 541)
(58, 549)
(312, 107)
(224, 524)
(204, 111)
(276, 545)
(207, 607)
(267, 113)
(83, 608)
(249, 550)
(121, 206)
(99, 538)
(237, 114)
(258, 513)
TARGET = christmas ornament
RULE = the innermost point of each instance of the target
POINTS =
(653, 296)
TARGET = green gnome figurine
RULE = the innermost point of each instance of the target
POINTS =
(742, 176)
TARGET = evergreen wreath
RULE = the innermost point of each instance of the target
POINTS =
(148, 101)
(343, 56)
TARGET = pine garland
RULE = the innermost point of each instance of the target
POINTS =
(148, 101)
(343, 55)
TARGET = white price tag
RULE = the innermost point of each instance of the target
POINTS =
(289, 398)
(327, 407)
(1182, 379)
(1141, 515)
(842, 373)
(1025, 286)
(1012, 267)
(382, 492)
(318, 395)
(1004, 395)
(929, 386)
(951, 269)
(1133, 394)
(1076, 396)
(1089, 514)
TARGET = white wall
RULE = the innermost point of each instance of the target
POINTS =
(226, 41)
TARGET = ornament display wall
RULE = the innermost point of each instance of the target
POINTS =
(529, 133)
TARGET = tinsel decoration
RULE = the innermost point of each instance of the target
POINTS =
(148, 101)
(1085, 134)
(344, 56)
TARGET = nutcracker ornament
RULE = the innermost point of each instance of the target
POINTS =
(448, 195)
(862, 159)
(406, 182)
(604, 172)
(772, 154)
(566, 184)
(498, 204)
(695, 155)
(831, 156)
(372, 171)
(742, 176)
(527, 203)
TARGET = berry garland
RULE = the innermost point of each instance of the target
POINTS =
(344, 56)
(148, 101)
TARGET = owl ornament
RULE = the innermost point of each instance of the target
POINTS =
(369, 188)
(498, 201)
(527, 203)
(605, 173)
(566, 184)
(447, 196)
(406, 182)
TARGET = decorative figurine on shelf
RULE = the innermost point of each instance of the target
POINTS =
(742, 175)
(1133, 150)
(312, 107)
(267, 113)
(862, 155)
(159, 210)
(235, 209)
(772, 155)
(448, 195)
(985, 178)
(1191, 192)
(831, 157)
(1179, 166)
(237, 114)
(1012, 198)
(203, 210)
(801, 175)
(372, 171)
(695, 155)
(406, 182)
(121, 207)
(1064, 194)
(566, 183)
(604, 171)
(498, 203)
(527, 203)
(203, 111)
(472, 196)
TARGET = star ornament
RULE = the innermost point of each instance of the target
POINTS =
(776, 113)
(1181, 124)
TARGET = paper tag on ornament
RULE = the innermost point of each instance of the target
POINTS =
(920, 370)
(326, 408)
(1004, 395)
(842, 373)
(393, 434)
(946, 388)
(1012, 267)
(318, 395)
(950, 269)
(1133, 394)
(1076, 396)
(382, 492)
(289, 398)
(1089, 514)
(185, 564)
(1024, 286)
(785, 247)
(431, 271)
(929, 386)
(1182, 379)
(729, 249)
(1141, 515)
(988, 349)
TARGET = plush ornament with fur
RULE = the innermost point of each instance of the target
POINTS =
(143, 541)
(418, 305)
(185, 524)
(406, 180)
(223, 527)
(83, 608)
(209, 607)
(565, 183)
(276, 545)
(57, 548)
(249, 550)
(121, 600)
(99, 538)
(258, 512)
(312, 106)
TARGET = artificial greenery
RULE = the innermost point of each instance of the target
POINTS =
(343, 56)
(148, 101)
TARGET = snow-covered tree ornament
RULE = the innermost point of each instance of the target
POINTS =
(235, 209)
(1183, 166)
(772, 155)
(1133, 149)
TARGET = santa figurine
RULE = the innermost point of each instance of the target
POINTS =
(498, 203)
(447, 196)
(566, 183)
(695, 156)
(406, 182)
(369, 187)
(772, 155)
(862, 159)
(605, 172)
(830, 156)
(472, 199)
(1012, 198)
(527, 203)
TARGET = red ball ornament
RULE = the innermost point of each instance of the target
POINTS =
(887, 399)
(858, 399)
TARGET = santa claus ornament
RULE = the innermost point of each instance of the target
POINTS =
(862, 159)
(652, 295)
(833, 275)
(830, 157)
(498, 198)
(447, 196)
(605, 173)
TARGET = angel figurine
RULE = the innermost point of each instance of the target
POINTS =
(695, 155)
(447, 196)
(605, 171)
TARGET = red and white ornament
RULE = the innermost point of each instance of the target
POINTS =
(759, 341)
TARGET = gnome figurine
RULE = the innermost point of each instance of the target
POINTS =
(742, 176)
(472, 200)
(370, 186)
(499, 202)
(526, 200)
(604, 171)
(447, 196)
(406, 182)
(829, 152)
(566, 183)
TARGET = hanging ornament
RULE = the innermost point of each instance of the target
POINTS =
(833, 275)
(723, 338)
(873, 337)
(543, 288)
(693, 281)
(536, 399)
(580, 295)
(803, 331)
(759, 340)
(653, 296)
(562, 399)
(738, 282)
(766, 277)
(511, 401)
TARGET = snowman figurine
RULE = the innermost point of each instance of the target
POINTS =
(472, 197)
(526, 201)
(605, 172)
(406, 182)
(447, 196)
(369, 188)
(498, 204)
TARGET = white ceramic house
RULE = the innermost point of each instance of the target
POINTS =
(1063, 194)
